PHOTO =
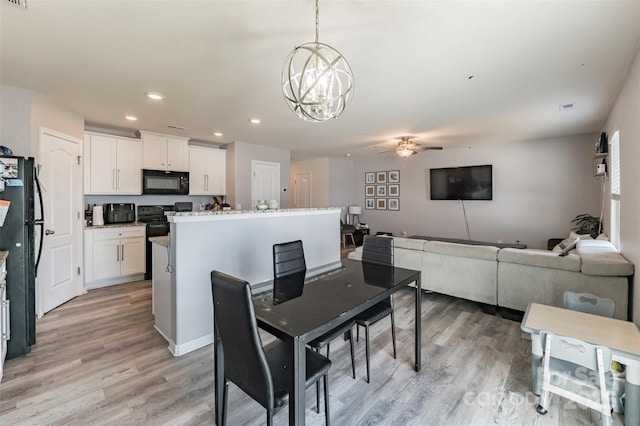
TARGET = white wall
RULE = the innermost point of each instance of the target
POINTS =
(625, 117)
(538, 187)
(241, 154)
(24, 112)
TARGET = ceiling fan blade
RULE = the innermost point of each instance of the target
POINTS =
(428, 148)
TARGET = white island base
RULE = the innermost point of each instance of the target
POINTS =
(238, 244)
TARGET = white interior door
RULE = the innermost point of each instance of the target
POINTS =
(59, 277)
(302, 184)
(265, 184)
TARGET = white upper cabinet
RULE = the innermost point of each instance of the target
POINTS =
(207, 171)
(164, 152)
(112, 165)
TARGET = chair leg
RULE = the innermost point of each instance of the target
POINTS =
(357, 333)
(327, 418)
(543, 402)
(353, 241)
(328, 345)
(366, 332)
(318, 396)
(393, 334)
(269, 418)
(353, 363)
(225, 394)
(344, 241)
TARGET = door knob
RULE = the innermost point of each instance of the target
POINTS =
(49, 232)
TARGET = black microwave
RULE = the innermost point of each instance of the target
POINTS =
(159, 182)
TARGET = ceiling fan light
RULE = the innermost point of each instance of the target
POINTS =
(405, 152)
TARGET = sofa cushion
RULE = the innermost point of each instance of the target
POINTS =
(462, 250)
(540, 258)
(408, 243)
(600, 257)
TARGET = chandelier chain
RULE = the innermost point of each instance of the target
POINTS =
(317, 22)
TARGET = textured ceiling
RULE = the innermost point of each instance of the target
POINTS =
(449, 73)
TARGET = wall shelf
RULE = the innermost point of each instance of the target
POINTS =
(598, 159)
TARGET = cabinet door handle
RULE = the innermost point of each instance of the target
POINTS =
(118, 253)
(49, 231)
(6, 318)
(113, 179)
(122, 252)
(118, 178)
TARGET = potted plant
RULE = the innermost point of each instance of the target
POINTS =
(587, 224)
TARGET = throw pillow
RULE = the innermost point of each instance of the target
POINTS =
(567, 244)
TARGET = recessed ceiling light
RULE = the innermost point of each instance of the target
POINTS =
(131, 117)
(154, 96)
(217, 134)
(255, 120)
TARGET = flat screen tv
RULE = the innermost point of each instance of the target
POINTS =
(462, 183)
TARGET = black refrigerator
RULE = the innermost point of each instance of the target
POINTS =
(17, 236)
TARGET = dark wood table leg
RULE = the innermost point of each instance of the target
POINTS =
(297, 396)
(418, 321)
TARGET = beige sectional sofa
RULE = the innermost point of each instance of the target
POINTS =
(513, 278)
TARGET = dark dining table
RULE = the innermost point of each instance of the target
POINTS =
(326, 302)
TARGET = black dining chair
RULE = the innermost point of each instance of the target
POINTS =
(288, 265)
(263, 373)
(377, 250)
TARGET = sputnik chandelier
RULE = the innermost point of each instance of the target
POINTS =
(317, 81)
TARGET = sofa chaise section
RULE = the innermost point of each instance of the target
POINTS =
(537, 276)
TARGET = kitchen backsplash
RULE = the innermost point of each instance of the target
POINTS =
(145, 200)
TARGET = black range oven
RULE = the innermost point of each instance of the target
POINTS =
(157, 226)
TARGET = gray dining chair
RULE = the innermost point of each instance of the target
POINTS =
(377, 250)
(263, 373)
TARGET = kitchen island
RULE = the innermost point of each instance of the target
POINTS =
(238, 244)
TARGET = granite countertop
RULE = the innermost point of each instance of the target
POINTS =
(3, 256)
(235, 212)
(115, 225)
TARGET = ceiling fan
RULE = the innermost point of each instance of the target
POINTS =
(406, 148)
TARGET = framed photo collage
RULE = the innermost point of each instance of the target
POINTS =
(382, 190)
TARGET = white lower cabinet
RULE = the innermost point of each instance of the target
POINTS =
(114, 255)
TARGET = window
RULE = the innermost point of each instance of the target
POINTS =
(614, 156)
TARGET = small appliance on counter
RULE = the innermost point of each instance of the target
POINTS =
(118, 213)
(183, 206)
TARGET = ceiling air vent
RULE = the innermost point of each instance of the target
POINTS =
(19, 3)
(171, 126)
(567, 107)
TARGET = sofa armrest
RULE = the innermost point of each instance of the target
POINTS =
(602, 258)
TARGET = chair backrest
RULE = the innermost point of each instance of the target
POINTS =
(288, 259)
(245, 362)
(345, 228)
(377, 250)
(589, 303)
(576, 351)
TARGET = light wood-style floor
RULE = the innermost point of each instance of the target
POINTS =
(98, 360)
